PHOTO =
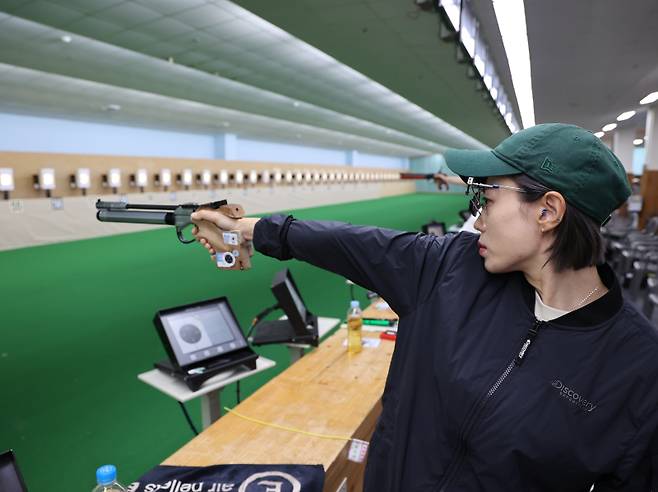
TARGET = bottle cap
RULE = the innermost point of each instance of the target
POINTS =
(354, 304)
(106, 474)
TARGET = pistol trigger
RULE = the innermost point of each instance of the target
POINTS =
(181, 238)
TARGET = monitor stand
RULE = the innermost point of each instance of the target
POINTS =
(196, 377)
(282, 331)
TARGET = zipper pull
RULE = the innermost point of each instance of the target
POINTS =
(532, 333)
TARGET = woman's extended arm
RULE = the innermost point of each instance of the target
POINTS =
(400, 266)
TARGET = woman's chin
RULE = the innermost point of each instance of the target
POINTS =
(493, 266)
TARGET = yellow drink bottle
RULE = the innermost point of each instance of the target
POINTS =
(354, 324)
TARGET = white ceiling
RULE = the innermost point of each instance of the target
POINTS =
(61, 96)
(171, 63)
(592, 60)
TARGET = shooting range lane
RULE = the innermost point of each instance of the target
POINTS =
(77, 329)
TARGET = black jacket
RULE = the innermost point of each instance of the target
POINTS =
(462, 411)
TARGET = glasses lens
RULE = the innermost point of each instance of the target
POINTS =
(474, 206)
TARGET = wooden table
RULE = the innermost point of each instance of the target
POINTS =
(328, 391)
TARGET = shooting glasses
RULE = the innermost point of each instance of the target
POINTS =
(478, 201)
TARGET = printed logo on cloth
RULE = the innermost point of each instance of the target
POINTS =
(273, 481)
(232, 478)
(572, 396)
(547, 165)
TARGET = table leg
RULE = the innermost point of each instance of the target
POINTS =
(211, 408)
(296, 353)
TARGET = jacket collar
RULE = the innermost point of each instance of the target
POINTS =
(592, 314)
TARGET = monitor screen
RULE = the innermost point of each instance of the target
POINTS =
(11, 479)
(197, 333)
(299, 304)
(291, 302)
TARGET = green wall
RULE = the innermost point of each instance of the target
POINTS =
(77, 329)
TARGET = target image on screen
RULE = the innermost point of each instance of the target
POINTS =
(201, 332)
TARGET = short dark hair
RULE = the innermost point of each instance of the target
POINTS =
(578, 242)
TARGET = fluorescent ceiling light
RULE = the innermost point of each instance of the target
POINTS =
(6, 179)
(239, 177)
(638, 141)
(223, 177)
(599, 134)
(452, 8)
(626, 116)
(609, 127)
(479, 64)
(494, 93)
(47, 179)
(650, 98)
(206, 177)
(468, 41)
(277, 176)
(510, 15)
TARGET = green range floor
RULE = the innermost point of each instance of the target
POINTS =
(77, 329)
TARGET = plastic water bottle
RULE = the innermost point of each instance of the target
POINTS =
(354, 324)
(106, 477)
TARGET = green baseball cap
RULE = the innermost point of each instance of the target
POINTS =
(564, 158)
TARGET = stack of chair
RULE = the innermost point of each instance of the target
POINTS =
(633, 255)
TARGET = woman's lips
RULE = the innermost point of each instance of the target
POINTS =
(482, 249)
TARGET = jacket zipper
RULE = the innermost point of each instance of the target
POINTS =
(471, 419)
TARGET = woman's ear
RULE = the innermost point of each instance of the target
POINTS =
(551, 210)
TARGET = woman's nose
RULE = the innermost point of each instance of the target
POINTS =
(479, 224)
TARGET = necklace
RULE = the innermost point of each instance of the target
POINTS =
(585, 298)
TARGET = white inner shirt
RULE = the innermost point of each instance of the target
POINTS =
(544, 312)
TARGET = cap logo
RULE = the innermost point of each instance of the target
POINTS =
(547, 165)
